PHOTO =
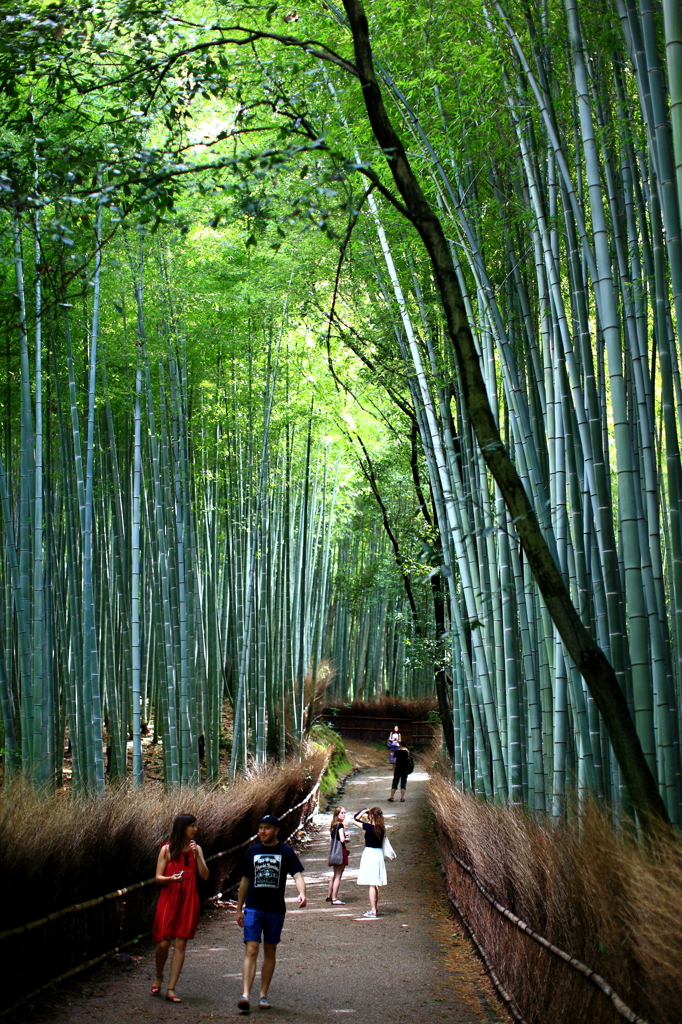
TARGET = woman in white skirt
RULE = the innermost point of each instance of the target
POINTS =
(372, 868)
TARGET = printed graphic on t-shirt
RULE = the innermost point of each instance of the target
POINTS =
(266, 870)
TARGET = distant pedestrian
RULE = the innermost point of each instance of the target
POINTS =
(372, 870)
(404, 764)
(177, 912)
(393, 742)
(337, 848)
(261, 907)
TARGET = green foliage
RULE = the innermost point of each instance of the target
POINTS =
(338, 767)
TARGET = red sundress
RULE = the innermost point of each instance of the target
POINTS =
(177, 912)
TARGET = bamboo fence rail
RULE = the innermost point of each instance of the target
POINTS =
(506, 997)
(591, 975)
(71, 974)
(595, 979)
(307, 808)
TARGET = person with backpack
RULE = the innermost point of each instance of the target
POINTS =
(404, 766)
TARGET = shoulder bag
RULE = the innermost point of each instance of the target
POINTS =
(336, 849)
(387, 849)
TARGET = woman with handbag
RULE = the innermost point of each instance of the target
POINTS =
(338, 855)
(393, 742)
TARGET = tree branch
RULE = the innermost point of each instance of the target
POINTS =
(368, 471)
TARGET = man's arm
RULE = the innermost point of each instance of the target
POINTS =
(241, 896)
(300, 885)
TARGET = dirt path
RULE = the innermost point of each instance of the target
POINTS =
(332, 963)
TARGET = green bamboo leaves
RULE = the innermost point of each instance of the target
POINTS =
(586, 263)
(174, 574)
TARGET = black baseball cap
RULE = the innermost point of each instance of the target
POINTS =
(268, 819)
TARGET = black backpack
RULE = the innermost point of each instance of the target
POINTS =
(410, 764)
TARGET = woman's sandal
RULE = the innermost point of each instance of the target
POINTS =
(154, 990)
(173, 999)
(338, 903)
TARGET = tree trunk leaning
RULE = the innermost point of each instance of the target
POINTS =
(587, 655)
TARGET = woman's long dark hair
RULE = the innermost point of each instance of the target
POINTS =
(377, 816)
(177, 836)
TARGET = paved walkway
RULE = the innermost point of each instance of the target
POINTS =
(332, 963)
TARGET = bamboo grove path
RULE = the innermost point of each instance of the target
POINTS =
(333, 965)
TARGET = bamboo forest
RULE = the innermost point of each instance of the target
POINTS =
(341, 352)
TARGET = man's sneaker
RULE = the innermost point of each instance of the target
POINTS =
(369, 913)
(243, 1004)
(263, 1003)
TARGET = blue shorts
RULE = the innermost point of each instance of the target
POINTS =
(262, 922)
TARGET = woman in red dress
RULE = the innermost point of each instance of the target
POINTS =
(177, 911)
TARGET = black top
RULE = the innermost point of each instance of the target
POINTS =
(335, 832)
(371, 839)
(267, 868)
(401, 759)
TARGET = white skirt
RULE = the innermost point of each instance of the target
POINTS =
(372, 868)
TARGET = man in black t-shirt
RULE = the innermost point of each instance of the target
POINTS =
(260, 904)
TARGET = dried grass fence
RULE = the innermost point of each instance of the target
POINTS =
(63, 859)
(611, 907)
(372, 722)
